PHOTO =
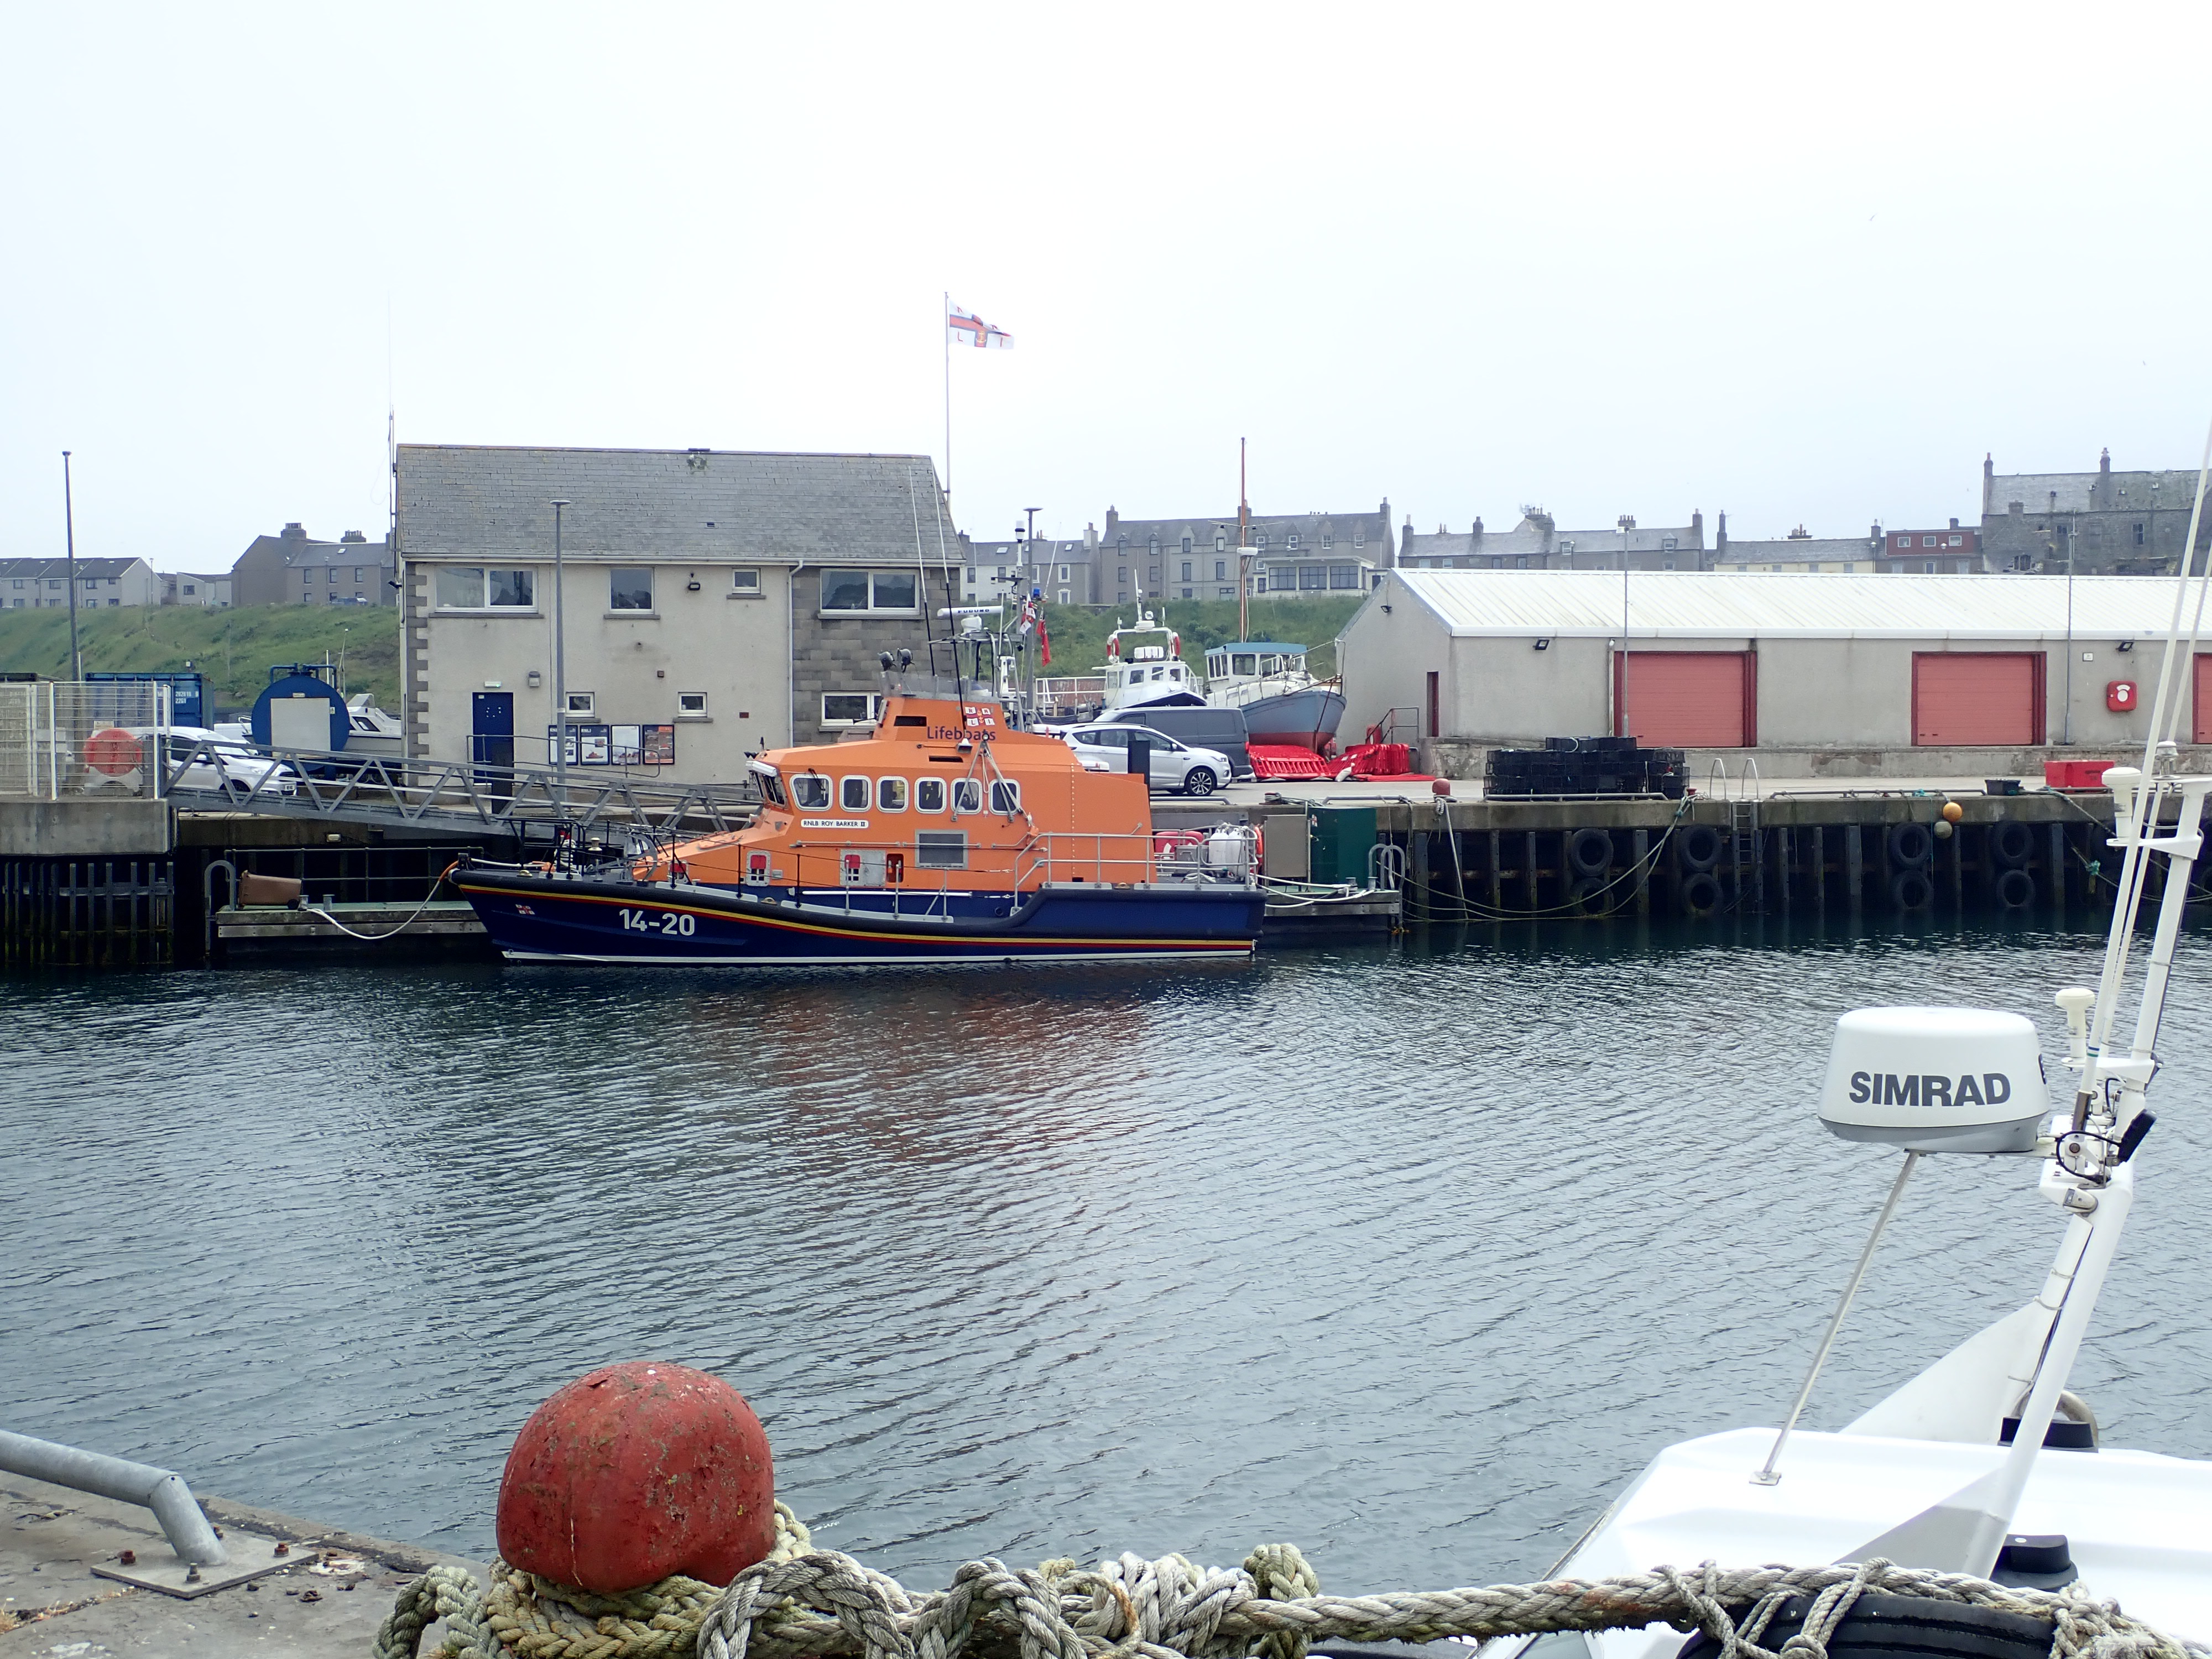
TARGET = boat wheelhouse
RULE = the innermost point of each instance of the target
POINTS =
(941, 836)
(1145, 668)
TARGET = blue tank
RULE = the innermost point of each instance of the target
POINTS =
(297, 724)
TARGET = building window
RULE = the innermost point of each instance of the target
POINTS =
(2139, 535)
(1328, 541)
(1063, 596)
(1153, 575)
(582, 705)
(630, 587)
(749, 583)
(1667, 563)
(1344, 577)
(1186, 545)
(1220, 541)
(1063, 573)
(1121, 576)
(1221, 570)
(1186, 569)
(472, 587)
(1259, 540)
(848, 708)
(1313, 576)
(1359, 538)
(1567, 548)
(868, 589)
(1226, 592)
(1293, 541)
(1958, 541)
(356, 573)
(1521, 562)
(1928, 567)
(1667, 543)
(690, 705)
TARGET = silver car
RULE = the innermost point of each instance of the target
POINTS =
(1174, 765)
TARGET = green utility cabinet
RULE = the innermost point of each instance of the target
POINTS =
(1342, 838)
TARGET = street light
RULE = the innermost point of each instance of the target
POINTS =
(560, 672)
(69, 525)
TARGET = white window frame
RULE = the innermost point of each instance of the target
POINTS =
(797, 784)
(930, 786)
(967, 797)
(873, 608)
(867, 792)
(685, 713)
(583, 705)
(905, 795)
(651, 608)
(745, 584)
(874, 702)
(484, 605)
(1005, 797)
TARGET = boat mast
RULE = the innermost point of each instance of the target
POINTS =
(1244, 552)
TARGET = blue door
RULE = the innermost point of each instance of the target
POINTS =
(491, 738)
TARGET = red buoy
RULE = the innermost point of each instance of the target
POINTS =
(636, 1472)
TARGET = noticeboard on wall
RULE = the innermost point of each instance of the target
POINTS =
(616, 745)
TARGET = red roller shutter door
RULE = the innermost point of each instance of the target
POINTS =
(1687, 699)
(1967, 698)
(2202, 723)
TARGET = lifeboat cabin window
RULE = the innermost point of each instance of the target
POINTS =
(1006, 796)
(967, 795)
(891, 794)
(940, 849)
(771, 789)
(1246, 663)
(810, 791)
(929, 795)
(853, 795)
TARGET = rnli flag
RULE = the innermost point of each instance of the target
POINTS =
(966, 328)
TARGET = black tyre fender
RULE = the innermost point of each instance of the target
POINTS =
(1911, 890)
(2016, 890)
(1588, 894)
(2011, 844)
(1700, 893)
(1912, 845)
(1697, 847)
(1589, 851)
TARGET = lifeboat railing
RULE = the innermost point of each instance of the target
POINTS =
(1126, 860)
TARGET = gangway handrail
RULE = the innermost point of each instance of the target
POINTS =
(162, 1491)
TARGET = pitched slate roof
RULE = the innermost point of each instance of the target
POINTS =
(2093, 492)
(477, 500)
(1823, 550)
(87, 569)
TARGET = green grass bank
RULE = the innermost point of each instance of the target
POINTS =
(1079, 637)
(234, 649)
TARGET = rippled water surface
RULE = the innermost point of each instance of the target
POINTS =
(1410, 1256)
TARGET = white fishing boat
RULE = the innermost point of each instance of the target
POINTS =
(1283, 703)
(1145, 668)
(1985, 1463)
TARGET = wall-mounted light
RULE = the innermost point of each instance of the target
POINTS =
(1543, 645)
(2126, 645)
(537, 679)
(692, 587)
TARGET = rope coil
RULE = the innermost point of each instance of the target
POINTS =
(804, 1603)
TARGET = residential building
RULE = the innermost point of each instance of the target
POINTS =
(1821, 674)
(1066, 571)
(1310, 553)
(2101, 522)
(193, 588)
(1956, 550)
(1799, 552)
(1537, 543)
(293, 568)
(716, 603)
(101, 584)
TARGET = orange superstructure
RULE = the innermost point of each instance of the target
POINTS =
(938, 797)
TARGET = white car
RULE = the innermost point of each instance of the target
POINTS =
(1174, 765)
(219, 762)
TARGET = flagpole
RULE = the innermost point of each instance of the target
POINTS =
(944, 328)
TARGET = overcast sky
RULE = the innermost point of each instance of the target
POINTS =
(1806, 264)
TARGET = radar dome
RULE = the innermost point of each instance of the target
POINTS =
(1935, 1080)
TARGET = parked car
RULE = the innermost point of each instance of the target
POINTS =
(218, 763)
(1221, 729)
(1174, 765)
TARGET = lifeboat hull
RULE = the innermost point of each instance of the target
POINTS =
(1304, 719)
(536, 917)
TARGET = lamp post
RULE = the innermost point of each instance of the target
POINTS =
(2066, 728)
(68, 530)
(559, 671)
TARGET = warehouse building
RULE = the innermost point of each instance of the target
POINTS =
(1828, 675)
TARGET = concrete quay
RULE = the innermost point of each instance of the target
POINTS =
(324, 1600)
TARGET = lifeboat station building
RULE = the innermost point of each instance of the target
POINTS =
(1808, 675)
(714, 604)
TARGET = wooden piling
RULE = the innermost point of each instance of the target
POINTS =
(1529, 869)
(2059, 868)
(1643, 847)
(1855, 869)
(1497, 877)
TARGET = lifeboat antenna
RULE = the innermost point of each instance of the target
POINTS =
(1244, 555)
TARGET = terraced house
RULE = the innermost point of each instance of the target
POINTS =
(714, 602)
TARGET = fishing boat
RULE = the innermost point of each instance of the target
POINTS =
(1145, 669)
(1282, 704)
(1986, 1464)
(942, 836)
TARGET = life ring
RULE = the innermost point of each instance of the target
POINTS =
(112, 752)
(1114, 648)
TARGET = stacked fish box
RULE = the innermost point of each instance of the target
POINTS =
(1584, 766)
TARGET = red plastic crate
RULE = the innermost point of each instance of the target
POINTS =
(2075, 774)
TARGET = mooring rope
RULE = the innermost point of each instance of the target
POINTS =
(804, 1603)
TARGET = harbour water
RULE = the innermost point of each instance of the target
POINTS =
(1411, 1255)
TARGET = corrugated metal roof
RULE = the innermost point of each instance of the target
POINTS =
(1686, 605)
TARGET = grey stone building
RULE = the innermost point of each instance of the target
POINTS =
(1537, 543)
(2104, 522)
(1067, 571)
(1312, 553)
(716, 602)
(293, 568)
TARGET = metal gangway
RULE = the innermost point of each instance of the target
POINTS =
(459, 798)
